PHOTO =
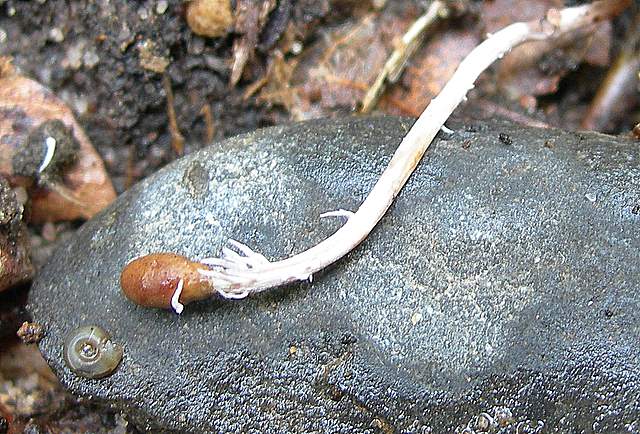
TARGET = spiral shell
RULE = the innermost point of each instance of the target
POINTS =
(90, 352)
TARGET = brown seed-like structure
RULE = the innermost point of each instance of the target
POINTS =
(152, 280)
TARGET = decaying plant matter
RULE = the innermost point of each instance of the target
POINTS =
(168, 280)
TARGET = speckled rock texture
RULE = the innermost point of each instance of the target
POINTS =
(500, 293)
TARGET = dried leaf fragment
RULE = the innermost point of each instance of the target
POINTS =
(536, 67)
(83, 186)
(334, 74)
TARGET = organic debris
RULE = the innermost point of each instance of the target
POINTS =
(331, 76)
(536, 68)
(43, 149)
(405, 48)
(334, 74)
(434, 64)
(32, 399)
(251, 16)
(15, 264)
(619, 91)
(210, 130)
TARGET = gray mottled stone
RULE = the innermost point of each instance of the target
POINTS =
(505, 280)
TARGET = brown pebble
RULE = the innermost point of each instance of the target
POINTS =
(212, 18)
(30, 332)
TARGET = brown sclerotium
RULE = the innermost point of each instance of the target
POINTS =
(152, 280)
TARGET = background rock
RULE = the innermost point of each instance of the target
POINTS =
(503, 281)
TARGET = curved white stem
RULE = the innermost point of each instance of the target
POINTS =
(246, 274)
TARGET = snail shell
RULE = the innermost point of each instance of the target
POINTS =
(90, 352)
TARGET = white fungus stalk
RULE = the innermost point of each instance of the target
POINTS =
(248, 272)
(241, 272)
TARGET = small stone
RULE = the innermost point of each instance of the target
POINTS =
(297, 47)
(56, 35)
(505, 138)
(74, 55)
(90, 58)
(483, 422)
(215, 63)
(503, 416)
(125, 37)
(143, 13)
(149, 59)
(196, 46)
(416, 318)
(212, 18)
(30, 332)
(161, 7)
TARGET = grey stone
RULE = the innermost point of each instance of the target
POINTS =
(500, 293)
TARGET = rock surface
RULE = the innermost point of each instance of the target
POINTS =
(501, 292)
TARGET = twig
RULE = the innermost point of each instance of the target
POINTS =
(210, 126)
(242, 271)
(406, 47)
(177, 139)
(611, 102)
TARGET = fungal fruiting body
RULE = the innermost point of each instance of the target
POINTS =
(242, 272)
(164, 280)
